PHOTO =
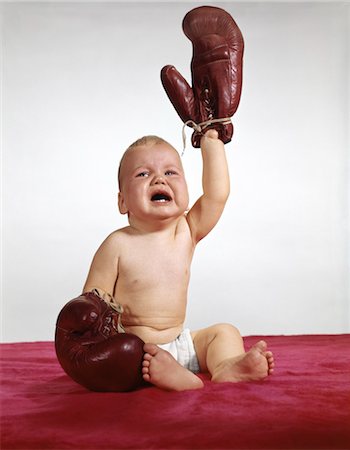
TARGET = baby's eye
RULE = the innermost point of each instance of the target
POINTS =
(170, 172)
(143, 174)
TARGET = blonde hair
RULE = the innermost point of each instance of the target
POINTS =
(141, 142)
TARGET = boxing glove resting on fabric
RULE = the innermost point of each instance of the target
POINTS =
(92, 351)
(216, 73)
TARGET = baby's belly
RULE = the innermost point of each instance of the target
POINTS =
(157, 317)
(154, 335)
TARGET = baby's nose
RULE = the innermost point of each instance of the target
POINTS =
(159, 180)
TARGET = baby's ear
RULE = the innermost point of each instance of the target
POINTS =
(121, 204)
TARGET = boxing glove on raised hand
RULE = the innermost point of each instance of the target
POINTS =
(216, 73)
(92, 351)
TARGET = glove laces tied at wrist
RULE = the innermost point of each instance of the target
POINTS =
(110, 300)
(200, 127)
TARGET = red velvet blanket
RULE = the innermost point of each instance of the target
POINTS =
(304, 405)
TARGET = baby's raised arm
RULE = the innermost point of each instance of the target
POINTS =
(207, 210)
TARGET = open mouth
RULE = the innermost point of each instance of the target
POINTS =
(161, 197)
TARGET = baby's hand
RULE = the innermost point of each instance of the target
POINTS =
(212, 134)
(210, 141)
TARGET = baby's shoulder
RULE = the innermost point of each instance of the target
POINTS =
(113, 242)
(118, 236)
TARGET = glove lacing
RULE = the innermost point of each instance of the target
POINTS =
(110, 300)
(200, 127)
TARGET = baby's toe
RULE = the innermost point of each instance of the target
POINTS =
(147, 357)
(260, 346)
(146, 376)
(150, 349)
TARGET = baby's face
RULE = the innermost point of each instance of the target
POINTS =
(152, 183)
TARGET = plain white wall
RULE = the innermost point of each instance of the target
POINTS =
(80, 82)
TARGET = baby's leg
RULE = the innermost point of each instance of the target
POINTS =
(162, 370)
(220, 351)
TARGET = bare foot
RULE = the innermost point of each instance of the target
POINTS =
(162, 370)
(254, 365)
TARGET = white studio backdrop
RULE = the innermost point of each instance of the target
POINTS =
(80, 82)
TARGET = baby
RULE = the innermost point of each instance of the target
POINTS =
(146, 267)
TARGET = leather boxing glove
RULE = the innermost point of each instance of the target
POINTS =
(92, 351)
(216, 73)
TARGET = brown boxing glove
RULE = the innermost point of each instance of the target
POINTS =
(216, 73)
(92, 351)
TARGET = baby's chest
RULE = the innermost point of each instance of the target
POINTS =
(150, 265)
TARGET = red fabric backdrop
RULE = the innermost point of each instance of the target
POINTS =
(304, 405)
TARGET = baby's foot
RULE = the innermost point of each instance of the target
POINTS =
(162, 370)
(254, 365)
